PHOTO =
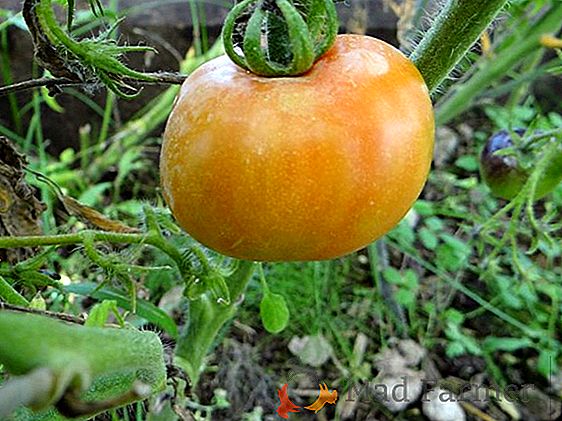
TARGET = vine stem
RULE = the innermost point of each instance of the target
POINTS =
(105, 362)
(152, 239)
(206, 319)
(160, 78)
(66, 239)
(463, 97)
(59, 316)
(453, 32)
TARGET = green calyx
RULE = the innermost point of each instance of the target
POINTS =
(279, 37)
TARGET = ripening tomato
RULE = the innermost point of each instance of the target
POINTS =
(503, 174)
(299, 168)
(506, 175)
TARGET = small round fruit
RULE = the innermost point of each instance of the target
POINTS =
(302, 168)
(505, 174)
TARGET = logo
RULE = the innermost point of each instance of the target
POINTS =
(325, 397)
(286, 405)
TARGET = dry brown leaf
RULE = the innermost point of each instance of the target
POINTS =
(20, 210)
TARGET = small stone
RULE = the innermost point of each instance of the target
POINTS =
(448, 141)
(477, 396)
(541, 406)
(389, 361)
(312, 350)
(397, 392)
(442, 405)
(412, 352)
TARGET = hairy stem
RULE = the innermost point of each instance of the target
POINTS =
(151, 239)
(103, 362)
(464, 94)
(205, 320)
(455, 30)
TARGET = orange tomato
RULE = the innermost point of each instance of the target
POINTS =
(299, 168)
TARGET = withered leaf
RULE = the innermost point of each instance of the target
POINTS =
(20, 210)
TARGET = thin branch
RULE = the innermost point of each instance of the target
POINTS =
(162, 78)
(60, 316)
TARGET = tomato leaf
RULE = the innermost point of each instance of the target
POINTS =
(145, 309)
(428, 238)
(493, 343)
(546, 363)
(100, 313)
(274, 312)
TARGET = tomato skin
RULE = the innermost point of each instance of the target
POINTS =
(305, 168)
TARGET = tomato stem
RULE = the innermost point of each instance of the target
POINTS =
(454, 31)
(205, 320)
(104, 361)
(489, 71)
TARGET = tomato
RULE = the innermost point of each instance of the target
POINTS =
(506, 175)
(299, 168)
(502, 173)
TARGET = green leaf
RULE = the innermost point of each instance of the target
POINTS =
(410, 279)
(392, 275)
(38, 303)
(145, 309)
(51, 101)
(546, 363)
(453, 254)
(455, 349)
(468, 163)
(67, 156)
(428, 239)
(454, 316)
(91, 197)
(403, 233)
(100, 313)
(492, 343)
(462, 248)
(555, 119)
(424, 208)
(471, 345)
(405, 297)
(434, 223)
(274, 312)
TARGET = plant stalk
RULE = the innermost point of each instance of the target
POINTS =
(152, 239)
(205, 320)
(102, 362)
(464, 94)
(454, 31)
